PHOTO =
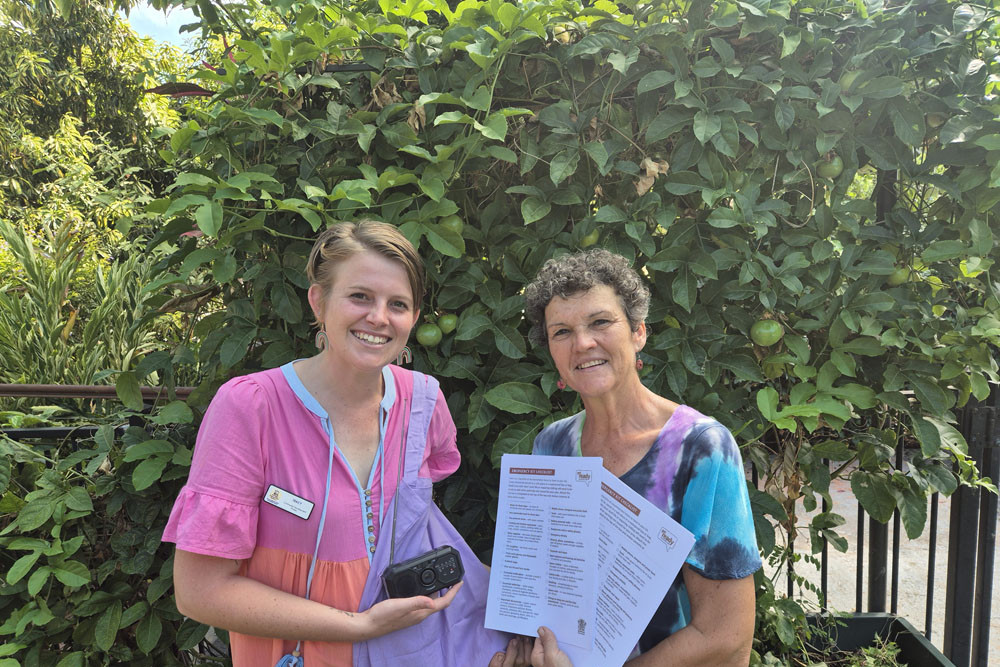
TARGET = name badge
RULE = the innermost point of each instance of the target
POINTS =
(288, 501)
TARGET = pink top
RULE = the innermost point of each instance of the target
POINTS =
(266, 429)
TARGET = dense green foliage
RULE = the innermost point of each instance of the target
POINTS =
(824, 165)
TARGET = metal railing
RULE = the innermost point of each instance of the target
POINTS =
(972, 548)
(150, 395)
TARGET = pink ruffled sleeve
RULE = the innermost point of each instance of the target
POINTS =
(441, 458)
(216, 511)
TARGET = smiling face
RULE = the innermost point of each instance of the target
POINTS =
(367, 311)
(591, 342)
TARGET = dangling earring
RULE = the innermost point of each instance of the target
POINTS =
(404, 356)
(638, 364)
(561, 384)
(321, 340)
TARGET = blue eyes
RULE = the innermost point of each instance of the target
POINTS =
(396, 305)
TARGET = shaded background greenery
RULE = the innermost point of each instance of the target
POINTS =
(825, 165)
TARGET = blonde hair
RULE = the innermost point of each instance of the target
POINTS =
(347, 239)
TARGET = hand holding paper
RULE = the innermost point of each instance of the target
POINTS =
(637, 553)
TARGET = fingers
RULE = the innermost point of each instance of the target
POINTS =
(547, 638)
(546, 652)
(518, 654)
(446, 599)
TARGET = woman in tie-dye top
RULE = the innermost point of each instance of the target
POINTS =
(589, 309)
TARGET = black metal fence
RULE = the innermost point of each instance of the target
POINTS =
(971, 554)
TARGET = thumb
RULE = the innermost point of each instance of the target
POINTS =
(549, 643)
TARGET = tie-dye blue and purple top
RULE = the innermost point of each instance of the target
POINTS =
(694, 473)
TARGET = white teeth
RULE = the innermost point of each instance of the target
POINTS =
(368, 338)
(590, 364)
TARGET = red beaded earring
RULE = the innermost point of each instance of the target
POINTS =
(561, 384)
(638, 364)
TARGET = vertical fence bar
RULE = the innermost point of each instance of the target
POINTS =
(824, 567)
(989, 466)
(894, 604)
(962, 550)
(791, 567)
(860, 569)
(931, 565)
(878, 563)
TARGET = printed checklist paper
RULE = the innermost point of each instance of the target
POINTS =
(580, 552)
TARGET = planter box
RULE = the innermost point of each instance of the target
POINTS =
(855, 631)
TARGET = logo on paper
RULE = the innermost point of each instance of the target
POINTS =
(275, 495)
(581, 626)
(584, 476)
(667, 538)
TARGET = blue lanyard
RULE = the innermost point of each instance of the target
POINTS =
(383, 419)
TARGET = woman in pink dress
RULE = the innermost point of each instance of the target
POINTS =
(246, 524)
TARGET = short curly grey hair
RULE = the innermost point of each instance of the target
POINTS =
(571, 274)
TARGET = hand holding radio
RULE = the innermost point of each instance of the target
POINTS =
(398, 613)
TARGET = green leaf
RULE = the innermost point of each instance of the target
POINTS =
(563, 165)
(784, 115)
(706, 126)
(666, 123)
(135, 613)
(926, 433)
(684, 289)
(509, 342)
(767, 403)
(930, 395)
(863, 345)
(74, 659)
(653, 80)
(72, 573)
(874, 493)
(859, 395)
(940, 478)
(209, 218)
(741, 364)
(534, 209)
(518, 398)
(78, 499)
(21, 567)
(175, 412)
(148, 472)
(908, 122)
(148, 448)
(37, 579)
(912, 511)
(881, 88)
(446, 241)
(127, 388)
(472, 326)
(835, 450)
(943, 251)
(432, 187)
(190, 634)
(287, 302)
(516, 438)
(35, 513)
(147, 633)
(107, 626)
(4, 474)
(236, 346)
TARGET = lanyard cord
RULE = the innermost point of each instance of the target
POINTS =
(326, 498)
(399, 476)
(322, 522)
